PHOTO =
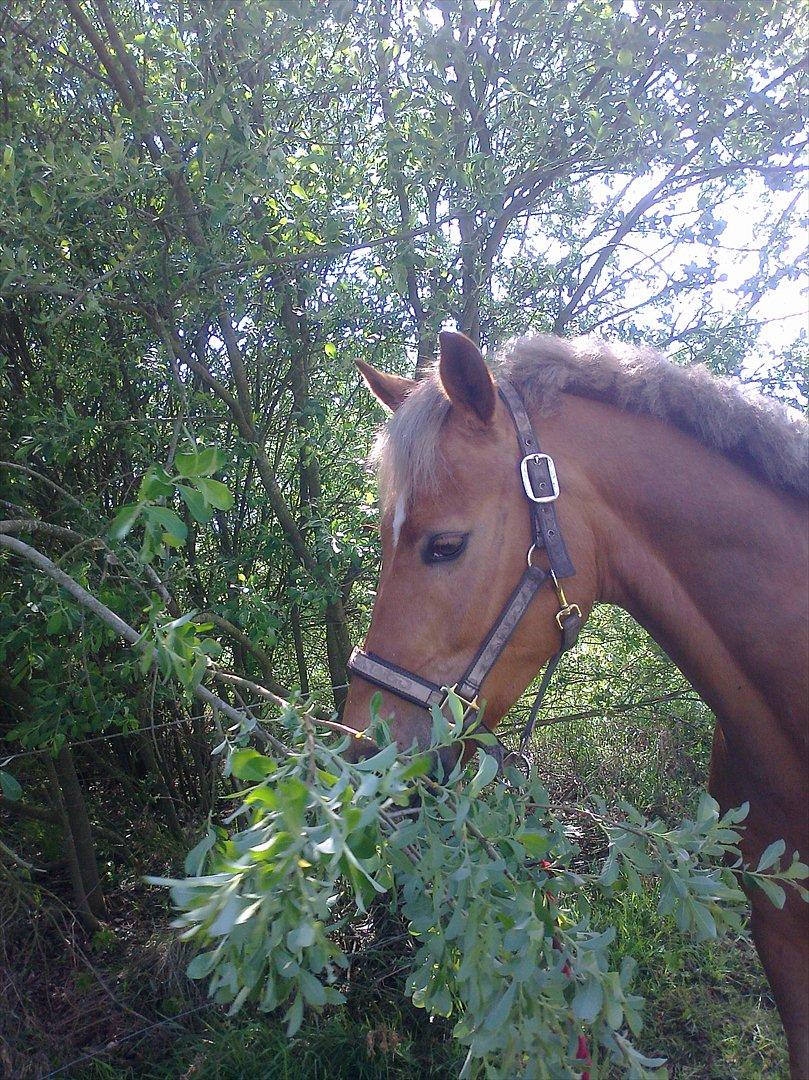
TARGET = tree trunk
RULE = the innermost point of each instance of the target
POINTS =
(84, 910)
(300, 656)
(293, 314)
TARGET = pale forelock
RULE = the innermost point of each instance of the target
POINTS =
(406, 451)
(758, 432)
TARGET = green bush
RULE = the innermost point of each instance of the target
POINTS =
(484, 871)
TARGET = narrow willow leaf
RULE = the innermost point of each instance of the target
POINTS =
(774, 891)
(195, 859)
(771, 856)
(487, 770)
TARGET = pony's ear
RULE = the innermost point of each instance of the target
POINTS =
(464, 375)
(390, 390)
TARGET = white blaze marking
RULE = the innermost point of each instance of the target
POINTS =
(398, 519)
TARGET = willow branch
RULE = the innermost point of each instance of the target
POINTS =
(123, 629)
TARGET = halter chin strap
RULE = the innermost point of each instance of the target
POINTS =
(541, 488)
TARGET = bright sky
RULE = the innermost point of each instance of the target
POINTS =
(784, 308)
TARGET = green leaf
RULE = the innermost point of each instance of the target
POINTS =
(198, 669)
(248, 764)
(703, 921)
(215, 493)
(379, 762)
(440, 727)
(124, 520)
(774, 891)
(487, 770)
(56, 623)
(201, 965)
(312, 989)
(330, 350)
(708, 809)
(151, 542)
(10, 787)
(196, 503)
(294, 1015)
(155, 484)
(588, 1000)
(499, 1012)
(419, 766)
(771, 855)
(173, 526)
(226, 917)
(536, 844)
(40, 195)
(797, 870)
(195, 859)
(301, 937)
(199, 462)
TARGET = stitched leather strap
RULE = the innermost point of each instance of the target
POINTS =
(544, 526)
(389, 677)
(498, 637)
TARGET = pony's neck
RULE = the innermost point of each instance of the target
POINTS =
(711, 561)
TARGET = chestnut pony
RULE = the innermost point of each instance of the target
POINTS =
(681, 500)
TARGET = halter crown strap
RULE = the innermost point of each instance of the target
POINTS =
(541, 486)
(542, 480)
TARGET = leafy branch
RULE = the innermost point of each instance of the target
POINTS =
(483, 872)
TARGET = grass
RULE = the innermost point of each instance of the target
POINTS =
(335, 1048)
(708, 1007)
(708, 1012)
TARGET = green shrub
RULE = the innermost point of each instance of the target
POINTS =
(484, 871)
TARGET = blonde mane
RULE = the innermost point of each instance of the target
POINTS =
(759, 433)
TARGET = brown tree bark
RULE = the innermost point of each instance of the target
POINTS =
(85, 912)
(81, 829)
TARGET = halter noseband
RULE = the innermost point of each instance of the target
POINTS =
(541, 488)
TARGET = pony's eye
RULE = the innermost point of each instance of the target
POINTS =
(444, 547)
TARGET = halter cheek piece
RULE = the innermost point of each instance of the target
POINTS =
(541, 488)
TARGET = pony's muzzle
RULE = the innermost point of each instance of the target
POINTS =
(360, 748)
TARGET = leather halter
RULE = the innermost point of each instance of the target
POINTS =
(541, 487)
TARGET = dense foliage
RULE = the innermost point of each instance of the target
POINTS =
(488, 885)
(208, 211)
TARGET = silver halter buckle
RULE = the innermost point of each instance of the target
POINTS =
(526, 479)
